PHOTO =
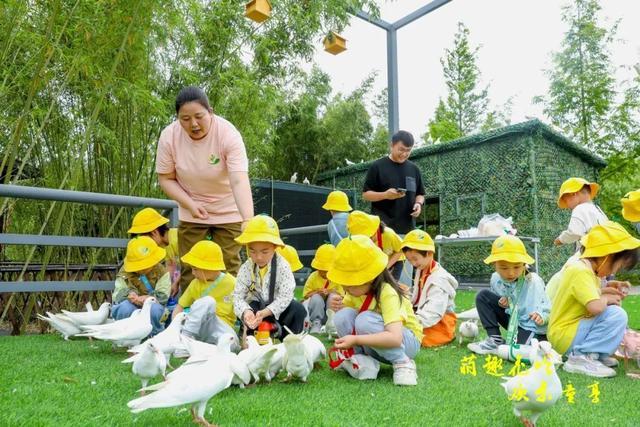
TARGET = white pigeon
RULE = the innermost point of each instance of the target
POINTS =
(201, 352)
(276, 361)
(192, 385)
(306, 181)
(542, 376)
(129, 331)
(89, 317)
(294, 177)
(148, 363)
(168, 340)
(297, 362)
(329, 327)
(469, 330)
(258, 358)
(314, 348)
(61, 323)
(349, 162)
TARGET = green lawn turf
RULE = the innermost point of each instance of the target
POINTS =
(49, 382)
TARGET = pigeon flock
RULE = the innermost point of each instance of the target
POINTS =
(208, 369)
(212, 368)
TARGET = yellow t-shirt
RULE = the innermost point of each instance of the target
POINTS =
(172, 248)
(577, 286)
(222, 293)
(391, 308)
(315, 282)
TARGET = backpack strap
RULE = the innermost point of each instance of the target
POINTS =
(272, 278)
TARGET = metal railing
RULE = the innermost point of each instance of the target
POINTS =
(35, 193)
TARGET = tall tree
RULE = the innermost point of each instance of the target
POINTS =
(465, 108)
(581, 93)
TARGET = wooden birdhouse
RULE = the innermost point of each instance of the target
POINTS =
(258, 10)
(334, 43)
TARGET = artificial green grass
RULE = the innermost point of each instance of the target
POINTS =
(47, 381)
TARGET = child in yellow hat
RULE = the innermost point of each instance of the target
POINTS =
(338, 205)
(265, 284)
(587, 322)
(384, 237)
(631, 208)
(516, 300)
(148, 222)
(434, 290)
(290, 254)
(377, 319)
(317, 288)
(144, 275)
(209, 296)
(577, 194)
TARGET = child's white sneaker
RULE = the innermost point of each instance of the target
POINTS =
(587, 365)
(488, 346)
(405, 373)
(608, 361)
(316, 327)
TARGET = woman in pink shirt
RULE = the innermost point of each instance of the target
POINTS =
(202, 164)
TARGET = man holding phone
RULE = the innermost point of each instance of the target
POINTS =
(394, 186)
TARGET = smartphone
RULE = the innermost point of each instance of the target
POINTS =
(401, 190)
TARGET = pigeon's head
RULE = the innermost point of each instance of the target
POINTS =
(149, 301)
(152, 347)
(180, 318)
(546, 350)
(105, 306)
(228, 341)
(469, 329)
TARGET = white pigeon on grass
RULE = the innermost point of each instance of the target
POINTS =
(61, 323)
(129, 331)
(258, 358)
(329, 327)
(148, 363)
(97, 317)
(168, 340)
(192, 385)
(297, 362)
(314, 348)
(469, 330)
(276, 361)
(538, 388)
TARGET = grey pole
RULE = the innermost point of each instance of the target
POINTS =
(392, 55)
(392, 81)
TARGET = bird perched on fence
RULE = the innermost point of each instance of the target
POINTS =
(97, 317)
(129, 331)
(306, 181)
(193, 384)
(469, 330)
(61, 323)
(537, 389)
(148, 363)
(294, 177)
(168, 340)
(258, 358)
(297, 362)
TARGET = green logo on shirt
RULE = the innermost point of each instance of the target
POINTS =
(214, 160)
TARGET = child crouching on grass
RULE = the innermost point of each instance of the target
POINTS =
(265, 284)
(516, 301)
(377, 319)
(434, 290)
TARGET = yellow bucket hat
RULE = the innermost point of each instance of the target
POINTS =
(337, 201)
(260, 228)
(357, 261)
(325, 255)
(289, 253)
(509, 248)
(605, 239)
(360, 222)
(573, 185)
(631, 206)
(142, 253)
(145, 221)
(418, 240)
(206, 255)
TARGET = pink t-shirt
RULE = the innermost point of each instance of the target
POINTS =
(202, 167)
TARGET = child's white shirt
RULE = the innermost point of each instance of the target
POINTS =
(437, 296)
(583, 218)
